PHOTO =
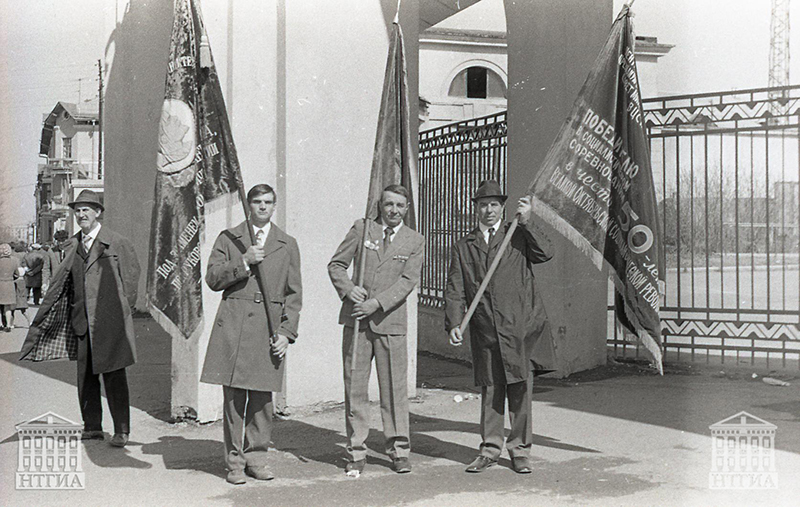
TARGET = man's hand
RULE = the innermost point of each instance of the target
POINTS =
(456, 339)
(254, 255)
(357, 294)
(279, 345)
(365, 309)
(524, 209)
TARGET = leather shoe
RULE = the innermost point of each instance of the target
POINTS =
(480, 464)
(354, 468)
(236, 477)
(260, 473)
(92, 435)
(521, 465)
(119, 439)
(401, 465)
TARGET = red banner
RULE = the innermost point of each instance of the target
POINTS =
(196, 164)
(596, 186)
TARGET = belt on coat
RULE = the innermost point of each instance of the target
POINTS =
(255, 298)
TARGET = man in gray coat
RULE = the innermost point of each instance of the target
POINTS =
(393, 264)
(242, 356)
(87, 315)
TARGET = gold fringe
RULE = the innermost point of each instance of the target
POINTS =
(550, 216)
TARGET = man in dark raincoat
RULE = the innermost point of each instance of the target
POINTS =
(87, 315)
(241, 354)
(505, 324)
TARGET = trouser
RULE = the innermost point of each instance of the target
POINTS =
(247, 427)
(116, 384)
(391, 362)
(37, 294)
(493, 404)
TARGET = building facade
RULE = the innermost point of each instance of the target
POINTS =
(70, 144)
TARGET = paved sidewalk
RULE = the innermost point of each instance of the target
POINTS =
(618, 435)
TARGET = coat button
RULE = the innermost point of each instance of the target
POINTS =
(250, 314)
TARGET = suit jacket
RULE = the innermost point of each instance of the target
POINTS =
(111, 283)
(509, 316)
(389, 276)
(239, 353)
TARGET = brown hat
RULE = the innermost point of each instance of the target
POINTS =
(489, 188)
(87, 197)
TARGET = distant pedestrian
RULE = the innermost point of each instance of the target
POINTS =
(35, 262)
(502, 330)
(8, 294)
(90, 302)
(241, 354)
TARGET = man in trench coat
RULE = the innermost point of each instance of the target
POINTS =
(241, 355)
(393, 263)
(505, 324)
(87, 315)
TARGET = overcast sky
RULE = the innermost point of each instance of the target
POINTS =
(48, 49)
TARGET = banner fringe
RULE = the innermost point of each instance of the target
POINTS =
(562, 226)
(550, 216)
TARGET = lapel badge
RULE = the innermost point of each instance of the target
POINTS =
(372, 246)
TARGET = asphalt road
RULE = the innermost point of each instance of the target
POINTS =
(619, 435)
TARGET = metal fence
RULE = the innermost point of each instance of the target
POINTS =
(453, 160)
(726, 168)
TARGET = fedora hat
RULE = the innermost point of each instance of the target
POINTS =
(87, 197)
(489, 188)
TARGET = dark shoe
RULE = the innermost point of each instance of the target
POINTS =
(119, 439)
(92, 435)
(354, 468)
(259, 473)
(236, 477)
(480, 464)
(401, 465)
(521, 465)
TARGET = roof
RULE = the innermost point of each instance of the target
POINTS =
(742, 420)
(47, 420)
(69, 110)
(457, 35)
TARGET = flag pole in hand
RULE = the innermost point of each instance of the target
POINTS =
(486, 279)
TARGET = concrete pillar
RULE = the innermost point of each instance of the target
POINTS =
(551, 46)
(302, 83)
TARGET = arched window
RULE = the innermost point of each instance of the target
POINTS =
(478, 83)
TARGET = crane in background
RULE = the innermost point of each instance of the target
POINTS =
(779, 56)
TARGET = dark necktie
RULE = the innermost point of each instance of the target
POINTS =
(387, 238)
(489, 242)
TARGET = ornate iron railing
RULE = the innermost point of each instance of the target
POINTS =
(453, 160)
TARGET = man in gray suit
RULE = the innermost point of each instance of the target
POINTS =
(393, 263)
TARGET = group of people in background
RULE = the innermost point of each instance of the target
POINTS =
(25, 271)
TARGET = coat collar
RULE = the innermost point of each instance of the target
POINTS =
(275, 240)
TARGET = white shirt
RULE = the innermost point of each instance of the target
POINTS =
(396, 229)
(485, 230)
(92, 235)
(265, 229)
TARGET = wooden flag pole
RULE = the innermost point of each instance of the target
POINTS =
(360, 267)
(489, 273)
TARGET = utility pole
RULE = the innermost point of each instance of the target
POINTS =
(100, 120)
(779, 58)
